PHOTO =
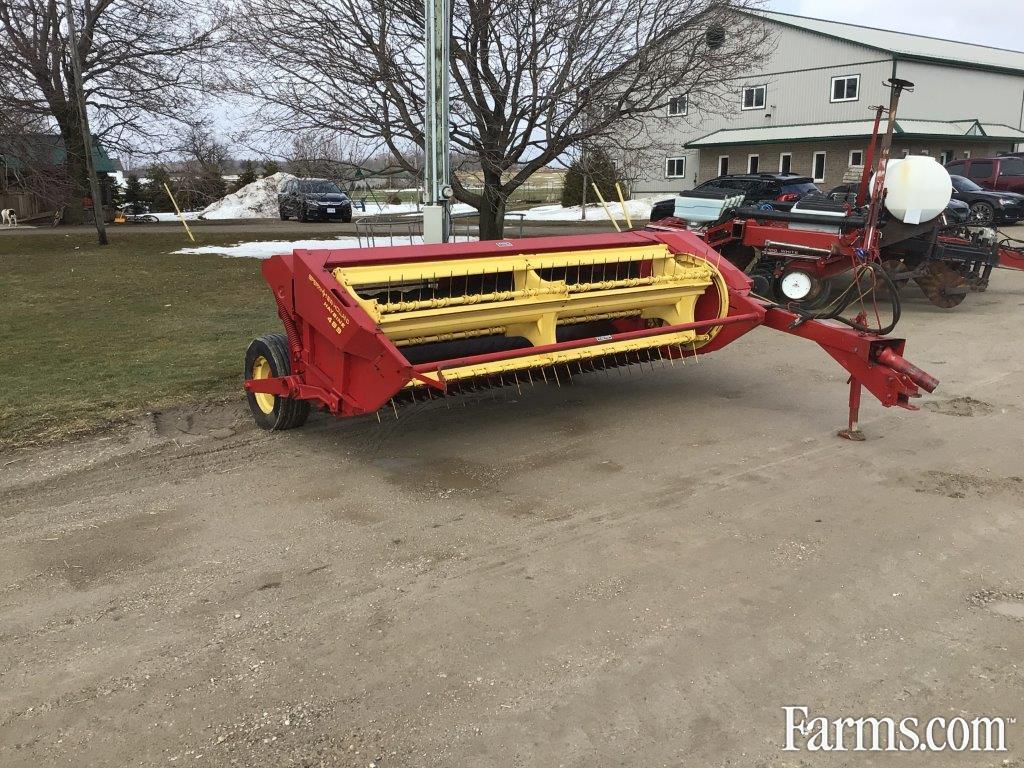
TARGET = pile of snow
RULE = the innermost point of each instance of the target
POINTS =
(264, 249)
(253, 201)
(639, 208)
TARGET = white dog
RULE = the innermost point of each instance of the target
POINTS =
(10, 218)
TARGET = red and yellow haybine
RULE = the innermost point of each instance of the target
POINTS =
(366, 328)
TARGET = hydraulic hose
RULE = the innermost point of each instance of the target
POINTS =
(850, 295)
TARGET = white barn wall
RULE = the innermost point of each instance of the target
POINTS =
(798, 75)
(952, 93)
(795, 95)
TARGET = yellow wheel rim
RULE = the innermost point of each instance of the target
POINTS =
(261, 370)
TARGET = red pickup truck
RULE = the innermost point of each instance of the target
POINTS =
(1000, 173)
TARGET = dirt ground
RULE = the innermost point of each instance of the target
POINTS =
(639, 569)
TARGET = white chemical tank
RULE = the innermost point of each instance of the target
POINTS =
(917, 189)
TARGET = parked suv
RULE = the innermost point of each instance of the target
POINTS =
(771, 191)
(999, 173)
(319, 199)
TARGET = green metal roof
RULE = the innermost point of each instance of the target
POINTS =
(46, 149)
(905, 45)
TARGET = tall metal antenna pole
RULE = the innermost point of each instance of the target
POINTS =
(436, 167)
(83, 116)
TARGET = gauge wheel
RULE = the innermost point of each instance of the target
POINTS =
(982, 213)
(802, 289)
(266, 358)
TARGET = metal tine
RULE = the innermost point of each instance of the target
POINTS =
(554, 372)
(693, 341)
(394, 407)
(568, 372)
(377, 414)
(515, 375)
(529, 376)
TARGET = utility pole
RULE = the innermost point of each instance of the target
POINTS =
(436, 165)
(79, 97)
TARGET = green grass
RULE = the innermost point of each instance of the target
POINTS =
(89, 334)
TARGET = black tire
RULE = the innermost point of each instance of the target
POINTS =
(149, 219)
(346, 216)
(982, 213)
(303, 216)
(282, 214)
(286, 413)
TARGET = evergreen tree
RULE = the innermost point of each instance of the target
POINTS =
(134, 194)
(210, 188)
(595, 167)
(246, 177)
(270, 167)
(158, 176)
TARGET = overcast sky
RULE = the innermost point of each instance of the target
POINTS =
(997, 23)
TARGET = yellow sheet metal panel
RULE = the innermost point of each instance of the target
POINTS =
(528, 296)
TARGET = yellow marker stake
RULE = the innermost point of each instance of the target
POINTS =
(178, 210)
(604, 205)
(622, 202)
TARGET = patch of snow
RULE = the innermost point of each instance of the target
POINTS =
(253, 201)
(639, 208)
(266, 248)
(383, 209)
(375, 209)
(189, 216)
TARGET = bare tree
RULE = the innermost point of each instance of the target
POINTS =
(201, 172)
(142, 67)
(530, 78)
(316, 153)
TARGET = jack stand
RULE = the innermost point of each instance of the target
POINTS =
(852, 432)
